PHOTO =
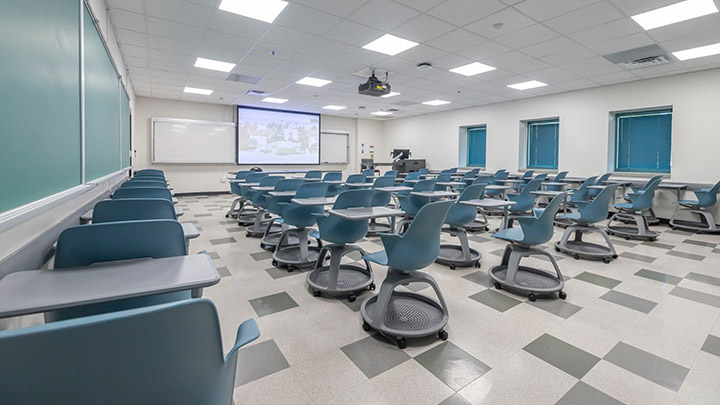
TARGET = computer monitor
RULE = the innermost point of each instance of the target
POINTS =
(401, 154)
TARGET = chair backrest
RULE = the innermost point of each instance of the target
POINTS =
(597, 210)
(649, 182)
(252, 178)
(150, 171)
(423, 171)
(602, 179)
(450, 171)
(528, 175)
(143, 183)
(142, 192)
(273, 205)
(419, 246)
(310, 190)
(150, 177)
(708, 198)
(443, 177)
(499, 176)
(560, 176)
(500, 171)
(354, 198)
(338, 230)
(424, 185)
(356, 178)
(384, 181)
(391, 173)
(541, 176)
(241, 175)
(483, 179)
(302, 215)
(525, 200)
(461, 214)
(368, 172)
(333, 176)
(583, 193)
(133, 209)
(382, 198)
(170, 353)
(259, 198)
(313, 174)
(641, 202)
(540, 229)
(413, 176)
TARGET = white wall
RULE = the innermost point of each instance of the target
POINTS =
(211, 177)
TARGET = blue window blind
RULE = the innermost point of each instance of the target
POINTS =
(643, 141)
(476, 146)
(542, 144)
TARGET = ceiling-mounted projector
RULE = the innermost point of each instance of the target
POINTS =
(374, 87)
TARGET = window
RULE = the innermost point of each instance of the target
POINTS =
(476, 146)
(542, 144)
(642, 141)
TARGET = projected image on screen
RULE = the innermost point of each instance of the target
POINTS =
(277, 137)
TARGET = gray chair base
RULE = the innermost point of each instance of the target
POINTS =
(641, 229)
(524, 279)
(296, 256)
(578, 248)
(458, 255)
(649, 217)
(272, 235)
(235, 207)
(339, 280)
(375, 228)
(705, 223)
(478, 225)
(260, 225)
(400, 315)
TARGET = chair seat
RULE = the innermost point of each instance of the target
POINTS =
(377, 257)
(315, 234)
(627, 206)
(510, 234)
(688, 202)
(570, 215)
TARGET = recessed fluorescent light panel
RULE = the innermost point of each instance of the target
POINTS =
(674, 13)
(472, 69)
(436, 102)
(275, 100)
(214, 65)
(391, 94)
(699, 52)
(311, 81)
(334, 107)
(390, 45)
(532, 84)
(263, 10)
(381, 113)
(193, 90)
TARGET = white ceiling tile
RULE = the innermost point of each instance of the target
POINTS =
(227, 41)
(484, 50)
(131, 37)
(364, 57)
(261, 62)
(353, 33)
(422, 53)
(604, 32)
(632, 7)
(133, 51)
(183, 32)
(682, 29)
(328, 47)
(554, 75)
(508, 60)
(306, 19)
(461, 12)
(132, 61)
(382, 14)
(527, 36)
(340, 8)
(542, 10)
(422, 28)
(612, 78)
(234, 24)
(288, 37)
(170, 57)
(221, 54)
(127, 20)
(172, 45)
(179, 11)
(578, 84)
(621, 44)
(692, 41)
(592, 67)
(590, 16)
(273, 51)
(169, 67)
(511, 20)
(550, 47)
(569, 56)
(455, 40)
(528, 67)
(136, 6)
(422, 5)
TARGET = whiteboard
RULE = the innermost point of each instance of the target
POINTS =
(334, 147)
(190, 141)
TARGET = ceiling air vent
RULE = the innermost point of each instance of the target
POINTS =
(646, 56)
(258, 93)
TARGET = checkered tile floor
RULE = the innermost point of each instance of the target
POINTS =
(644, 329)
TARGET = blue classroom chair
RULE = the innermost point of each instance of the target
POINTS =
(381, 199)
(235, 189)
(558, 178)
(313, 175)
(391, 173)
(143, 183)
(247, 211)
(354, 179)
(599, 182)
(369, 174)
(458, 218)
(581, 194)
(638, 203)
(411, 204)
(259, 200)
(524, 202)
(133, 209)
(705, 198)
(275, 207)
(143, 192)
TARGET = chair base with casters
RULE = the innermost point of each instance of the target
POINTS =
(528, 280)
(641, 229)
(704, 224)
(458, 255)
(649, 217)
(272, 235)
(234, 210)
(400, 315)
(578, 248)
(246, 215)
(296, 256)
(259, 227)
(338, 280)
(478, 225)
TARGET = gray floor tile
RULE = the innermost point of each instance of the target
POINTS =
(272, 303)
(455, 399)
(415, 287)
(498, 252)
(199, 228)
(716, 250)
(597, 279)
(623, 243)
(216, 209)
(566, 357)
(685, 255)
(214, 255)
(235, 229)
(479, 239)
(264, 255)
(657, 276)
(199, 215)
(480, 277)
(228, 222)
(495, 300)
(696, 296)
(276, 273)
(190, 222)
(700, 243)
(679, 232)
(659, 245)
(584, 394)
(223, 271)
(222, 241)
(648, 366)
(560, 308)
(629, 301)
(635, 256)
(452, 365)
(374, 355)
(259, 360)
(355, 305)
(703, 278)
(712, 345)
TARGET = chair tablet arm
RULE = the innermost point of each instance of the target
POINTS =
(246, 333)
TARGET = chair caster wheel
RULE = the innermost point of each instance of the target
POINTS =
(402, 343)
(606, 260)
(498, 286)
(673, 228)
(576, 256)
(532, 297)
(653, 239)
(562, 295)
(627, 237)
(452, 266)
(557, 249)
(478, 265)
(227, 215)
(615, 256)
(317, 293)
(366, 327)
(486, 229)
(248, 234)
(443, 335)
(290, 269)
(371, 287)
(274, 263)
(352, 298)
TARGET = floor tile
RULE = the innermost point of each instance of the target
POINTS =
(235, 229)
(659, 245)
(648, 366)
(703, 278)
(222, 241)
(657, 276)
(584, 394)
(264, 255)
(455, 399)
(696, 296)
(597, 279)
(258, 361)
(629, 301)
(712, 345)
(623, 243)
(276, 273)
(566, 357)
(498, 252)
(558, 307)
(272, 303)
(452, 365)
(374, 355)
(214, 255)
(700, 243)
(228, 222)
(635, 256)
(223, 271)
(685, 255)
(480, 277)
(495, 300)
(200, 215)
(479, 239)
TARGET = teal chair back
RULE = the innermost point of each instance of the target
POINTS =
(597, 210)
(422, 171)
(143, 183)
(254, 177)
(525, 201)
(142, 192)
(503, 175)
(643, 201)
(449, 171)
(259, 198)
(141, 176)
(583, 192)
(133, 209)
(419, 246)
(165, 354)
(368, 172)
(559, 177)
(338, 230)
(313, 174)
(649, 182)
(382, 198)
(599, 182)
(274, 203)
(442, 178)
(538, 230)
(708, 197)
(527, 176)
(411, 204)
(461, 214)
(413, 176)
(391, 173)
(235, 187)
(301, 216)
(333, 176)
(150, 171)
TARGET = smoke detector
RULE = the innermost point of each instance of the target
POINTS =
(424, 66)
(257, 93)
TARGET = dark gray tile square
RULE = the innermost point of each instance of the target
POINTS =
(235, 229)
(264, 255)
(455, 399)
(223, 271)
(624, 243)
(415, 287)
(199, 228)
(222, 241)
(374, 355)
(582, 393)
(355, 305)
(452, 365)
(712, 345)
(685, 255)
(657, 276)
(479, 239)
(716, 250)
(648, 366)
(703, 278)
(276, 273)
(215, 209)
(635, 256)
(228, 222)
(697, 296)
(498, 252)
(597, 279)
(566, 357)
(700, 243)
(560, 308)
(659, 245)
(200, 215)
(257, 361)
(190, 222)
(495, 300)
(679, 232)
(214, 255)
(480, 277)
(272, 303)
(629, 301)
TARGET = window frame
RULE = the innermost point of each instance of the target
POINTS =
(528, 124)
(615, 139)
(467, 146)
